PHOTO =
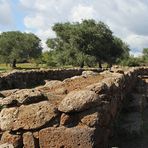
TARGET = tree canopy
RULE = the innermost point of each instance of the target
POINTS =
(19, 46)
(78, 43)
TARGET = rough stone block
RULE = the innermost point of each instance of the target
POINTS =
(62, 137)
(27, 117)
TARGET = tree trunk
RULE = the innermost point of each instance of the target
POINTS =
(82, 64)
(14, 63)
(100, 65)
(110, 66)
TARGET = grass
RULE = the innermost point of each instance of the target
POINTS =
(4, 68)
(28, 66)
(21, 66)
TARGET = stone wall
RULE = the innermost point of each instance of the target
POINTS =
(32, 118)
(30, 78)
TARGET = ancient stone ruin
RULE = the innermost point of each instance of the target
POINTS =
(69, 108)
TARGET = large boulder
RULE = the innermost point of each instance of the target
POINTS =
(77, 101)
(62, 137)
(27, 117)
(24, 96)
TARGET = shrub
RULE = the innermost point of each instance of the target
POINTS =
(131, 62)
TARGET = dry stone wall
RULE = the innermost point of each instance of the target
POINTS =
(30, 78)
(32, 118)
(23, 79)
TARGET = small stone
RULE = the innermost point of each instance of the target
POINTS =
(28, 140)
(15, 140)
(6, 145)
(65, 119)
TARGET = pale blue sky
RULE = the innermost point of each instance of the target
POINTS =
(128, 19)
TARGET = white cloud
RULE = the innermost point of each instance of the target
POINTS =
(82, 12)
(44, 34)
(137, 41)
(128, 19)
(5, 13)
(27, 3)
(34, 22)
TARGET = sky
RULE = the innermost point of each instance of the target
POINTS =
(128, 19)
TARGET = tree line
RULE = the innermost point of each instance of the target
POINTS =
(18, 46)
(87, 43)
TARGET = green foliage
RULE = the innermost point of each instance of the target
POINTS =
(121, 49)
(131, 61)
(48, 58)
(145, 55)
(86, 43)
(20, 46)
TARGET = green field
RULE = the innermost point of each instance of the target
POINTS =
(22, 66)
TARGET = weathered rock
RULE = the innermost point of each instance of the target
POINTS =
(1, 95)
(6, 145)
(7, 117)
(65, 119)
(98, 88)
(106, 73)
(27, 116)
(69, 120)
(85, 115)
(121, 71)
(15, 140)
(72, 78)
(110, 84)
(7, 93)
(36, 135)
(76, 77)
(62, 137)
(89, 73)
(91, 120)
(52, 83)
(53, 98)
(77, 101)
(61, 91)
(24, 96)
(95, 117)
(28, 140)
